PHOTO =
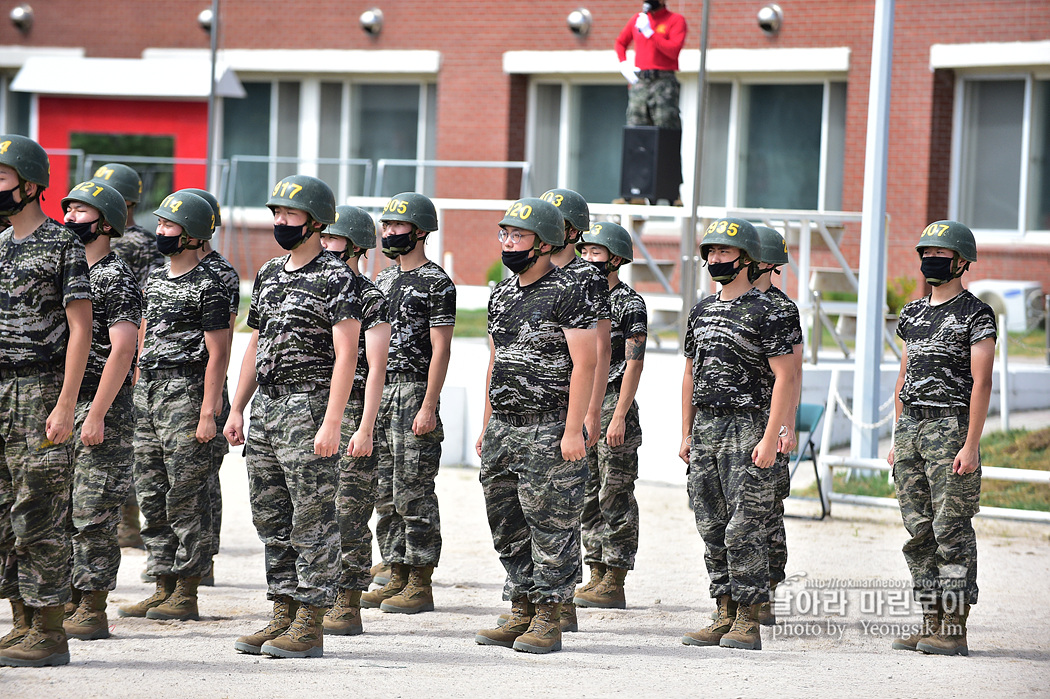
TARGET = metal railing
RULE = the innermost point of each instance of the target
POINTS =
(383, 163)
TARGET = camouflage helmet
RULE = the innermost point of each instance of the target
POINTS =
(305, 193)
(733, 232)
(105, 199)
(541, 217)
(210, 198)
(572, 205)
(950, 235)
(354, 224)
(26, 157)
(612, 236)
(190, 211)
(774, 249)
(412, 207)
(123, 179)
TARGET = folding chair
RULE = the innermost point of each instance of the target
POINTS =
(807, 419)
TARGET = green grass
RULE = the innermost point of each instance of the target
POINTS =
(472, 323)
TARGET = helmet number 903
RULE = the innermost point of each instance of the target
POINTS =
(553, 198)
(935, 229)
(519, 210)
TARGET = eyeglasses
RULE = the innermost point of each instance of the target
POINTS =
(515, 237)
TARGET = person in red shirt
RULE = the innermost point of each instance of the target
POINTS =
(658, 36)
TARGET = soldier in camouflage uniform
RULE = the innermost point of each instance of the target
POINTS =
(533, 465)
(138, 248)
(774, 254)
(182, 365)
(103, 456)
(595, 289)
(351, 236)
(610, 511)
(942, 391)
(306, 320)
(213, 260)
(737, 392)
(45, 336)
(422, 312)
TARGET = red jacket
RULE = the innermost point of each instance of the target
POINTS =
(660, 51)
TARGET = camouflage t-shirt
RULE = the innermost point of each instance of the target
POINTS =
(294, 313)
(138, 247)
(417, 300)
(179, 310)
(788, 306)
(39, 276)
(938, 340)
(532, 366)
(593, 284)
(629, 319)
(373, 312)
(115, 298)
(730, 343)
(222, 269)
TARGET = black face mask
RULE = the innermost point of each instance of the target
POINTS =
(83, 230)
(724, 272)
(398, 244)
(290, 237)
(602, 267)
(169, 244)
(937, 270)
(8, 205)
(518, 261)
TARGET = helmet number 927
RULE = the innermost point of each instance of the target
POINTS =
(519, 210)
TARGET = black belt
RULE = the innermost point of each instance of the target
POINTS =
(287, 389)
(34, 369)
(89, 387)
(923, 413)
(405, 376)
(175, 372)
(522, 419)
(653, 74)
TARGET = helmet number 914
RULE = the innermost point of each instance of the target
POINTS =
(519, 210)
(171, 203)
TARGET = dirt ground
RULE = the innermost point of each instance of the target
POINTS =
(837, 620)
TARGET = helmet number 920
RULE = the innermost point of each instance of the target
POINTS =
(519, 210)
(282, 190)
(935, 229)
(396, 206)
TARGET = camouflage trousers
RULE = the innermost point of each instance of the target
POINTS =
(292, 493)
(101, 479)
(354, 499)
(654, 102)
(35, 477)
(776, 536)
(408, 526)
(171, 473)
(731, 499)
(533, 499)
(610, 510)
(937, 505)
(211, 522)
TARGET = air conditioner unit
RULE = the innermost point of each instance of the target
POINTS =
(1022, 302)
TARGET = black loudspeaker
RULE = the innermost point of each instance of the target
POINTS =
(652, 163)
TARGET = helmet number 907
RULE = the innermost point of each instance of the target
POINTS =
(553, 198)
(935, 229)
(282, 189)
(519, 210)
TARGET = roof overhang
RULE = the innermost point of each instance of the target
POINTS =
(167, 78)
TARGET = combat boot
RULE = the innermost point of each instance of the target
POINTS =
(181, 605)
(607, 594)
(544, 632)
(725, 615)
(397, 582)
(303, 639)
(129, 535)
(208, 579)
(746, 631)
(284, 610)
(568, 621)
(165, 586)
(22, 618)
(73, 604)
(931, 622)
(380, 573)
(597, 573)
(417, 595)
(89, 621)
(516, 623)
(43, 645)
(767, 616)
(344, 619)
(950, 637)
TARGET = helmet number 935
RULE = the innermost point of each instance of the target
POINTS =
(722, 226)
(519, 210)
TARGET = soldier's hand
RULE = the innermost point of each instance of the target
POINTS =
(234, 429)
(59, 425)
(206, 429)
(787, 443)
(683, 451)
(889, 457)
(93, 431)
(764, 453)
(477, 445)
(326, 443)
(592, 424)
(573, 447)
(360, 444)
(617, 428)
(966, 461)
(424, 422)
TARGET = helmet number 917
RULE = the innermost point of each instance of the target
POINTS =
(283, 188)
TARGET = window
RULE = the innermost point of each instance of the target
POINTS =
(1002, 152)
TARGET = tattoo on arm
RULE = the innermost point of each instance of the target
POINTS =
(635, 347)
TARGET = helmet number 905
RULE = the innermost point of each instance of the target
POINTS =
(396, 206)
(935, 229)
(519, 210)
